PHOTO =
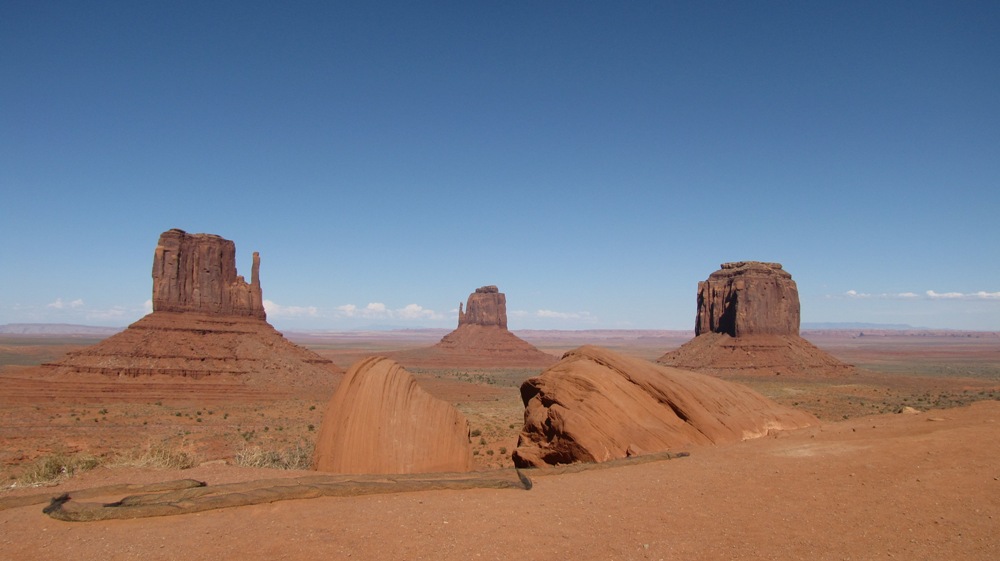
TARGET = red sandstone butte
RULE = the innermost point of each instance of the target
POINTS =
(595, 405)
(748, 298)
(206, 321)
(197, 273)
(748, 325)
(380, 421)
(481, 338)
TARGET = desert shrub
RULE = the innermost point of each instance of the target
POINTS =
(294, 457)
(476, 432)
(56, 466)
(158, 456)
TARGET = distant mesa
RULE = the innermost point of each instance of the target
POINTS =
(487, 306)
(206, 321)
(481, 338)
(379, 420)
(595, 405)
(748, 325)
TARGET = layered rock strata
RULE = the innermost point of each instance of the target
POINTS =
(206, 321)
(380, 421)
(595, 405)
(748, 325)
(481, 338)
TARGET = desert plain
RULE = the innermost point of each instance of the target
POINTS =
(905, 462)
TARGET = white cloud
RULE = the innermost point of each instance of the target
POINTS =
(927, 295)
(950, 295)
(59, 304)
(552, 314)
(277, 310)
(981, 295)
(147, 306)
(113, 313)
(416, 311)
(378, 310)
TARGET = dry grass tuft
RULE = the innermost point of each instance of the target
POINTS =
(56, 466)
(157, 456)
(295, 457)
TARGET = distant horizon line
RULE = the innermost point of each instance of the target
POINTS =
(56, 328)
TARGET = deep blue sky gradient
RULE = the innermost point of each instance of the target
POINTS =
(593, 160)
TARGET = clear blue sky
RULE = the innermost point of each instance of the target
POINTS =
(594, 160)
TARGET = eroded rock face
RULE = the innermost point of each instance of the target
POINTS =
(748, 325)
(748, 298)
(206, 322)
(595, 405)
(486, 306)
(197, 273)
(381, 421)
(481, 338)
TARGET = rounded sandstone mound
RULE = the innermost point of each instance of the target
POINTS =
(595, 405)
(381, 421)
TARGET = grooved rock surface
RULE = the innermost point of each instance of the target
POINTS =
(755, 355)
(481, 339)
(197, 273)
(381, 421)
(595, 405)
(206, 321)
(748, 298)
(486, 306)
(196, 346)
(748, 325)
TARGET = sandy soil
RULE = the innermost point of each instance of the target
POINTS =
(922, 486)
(868, 484)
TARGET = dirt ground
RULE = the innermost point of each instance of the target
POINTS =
(870, 483)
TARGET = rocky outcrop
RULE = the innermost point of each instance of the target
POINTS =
(206, 322)
(380, 421)
(748, 298)
(595, 405)
(197, 273)
(481, 339)
(486, 306)
(748, 325)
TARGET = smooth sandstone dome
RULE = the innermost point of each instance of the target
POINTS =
(595, 405)
(381, 421)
